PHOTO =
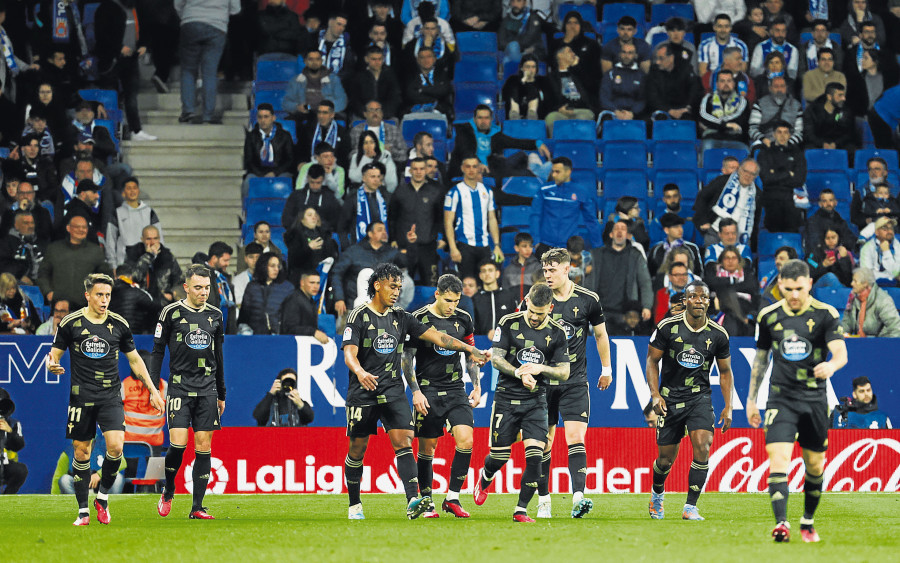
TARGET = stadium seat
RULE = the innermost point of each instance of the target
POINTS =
(618, 183)
(470, 94)
(659, 13)
(582, 154)
(674, 129)
(768, 242)
(588, 12)
(265, 188)
(273, 97)
(268, 209)
(827, 159)
(481, 67)
(142, 452)
(587, 179)
(618, 155)
(686, 180)
(623, 130)
(437, 128)
(525, 128)
(712, 158)
(422, 296)
(290, 126)
(48, 206)
(675, 155)
(766, 265)
(894, 292)
(515, 216)
(574, 130)
(525, 186)
(613, 12)
(275, 71)
(863, 155)
(4, 152)
(33, 293)
(476, 42)
(508, 242)
(110, 126)
(837, 297)
(109, 99)
(816, 181)
(862, 178)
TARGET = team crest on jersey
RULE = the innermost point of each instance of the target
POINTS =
(570, 330)
(795, 348)
(385, 343)
(95, 347)
(690, 359)
(198, 339)
(443, 351)
(530, 355)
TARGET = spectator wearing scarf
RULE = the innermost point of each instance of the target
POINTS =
(852, 27)
(521, 32)
(268, 149)
(334, 44)
(365, 205)
(870, 310)
(724, 115)
(777, 42)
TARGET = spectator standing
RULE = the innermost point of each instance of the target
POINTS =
(871, 310)
(470, 220)
(67, 262)
(418, 203)
(127, 226)
(252, 252)
(522, 268)
(560, 207)
(730, 197)
(782, 169)
(155, 266)
(492, 302)
(278, 29)
(299, 312)
(308, 243)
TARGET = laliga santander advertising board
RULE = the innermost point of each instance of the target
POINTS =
(311, 460)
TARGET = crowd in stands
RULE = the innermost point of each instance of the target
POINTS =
(659, 142)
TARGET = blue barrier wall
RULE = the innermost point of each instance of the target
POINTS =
(252, 362)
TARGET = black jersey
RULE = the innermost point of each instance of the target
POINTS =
(380, 339)
(545, 345)
(688, 356)
(437, 367)
(94, 356)
(195, 338)
(799, 342)
(577, 314)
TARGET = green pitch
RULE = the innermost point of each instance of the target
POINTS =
(854, 527)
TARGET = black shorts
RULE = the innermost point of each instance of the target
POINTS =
(508, 417)
(83, 420)
(803, 421)
(696, 415)
(199, 413)
(572, 402)
(362, 421)
(446, 409)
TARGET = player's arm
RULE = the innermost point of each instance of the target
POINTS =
(757, 372)
(220, 368)
(140, 370)
(654, 355)
(726, 382)
(601, 337)
(366, 379)
(838, 349)
(53, 358)
(446, 341)
(474, 371)
(160, 338)
(420, 403)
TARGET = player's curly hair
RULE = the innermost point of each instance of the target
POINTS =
(449, 282)
(382, 272)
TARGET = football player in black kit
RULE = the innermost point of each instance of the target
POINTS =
(193, 332)
(95, 336)
(800, 331)
(579, 312)
(373, 347)
(529, 350)
(439, 392)
(687, 343)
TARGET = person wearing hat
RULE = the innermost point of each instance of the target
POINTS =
(673, 225)
(782, 169)
(87, 204)
(12, 472)
(881, 254)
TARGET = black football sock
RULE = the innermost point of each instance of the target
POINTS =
(577, 467)
(426, 473)
(200, 474)
(406, 467)
(353, 472)
(544, 481)
(812, 491)
(493, 462)
(659, 478)
(459, 469)
(108, 473)
(530, 477)
(696, 480)
(173, 464)
(82, 484)
(778, 493)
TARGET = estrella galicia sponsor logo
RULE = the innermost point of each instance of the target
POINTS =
(795, 348)
(198, 339)
(570, 330)
(443, 351)
(690, 359)
(385, 343)
(95, 347)
(530, 355)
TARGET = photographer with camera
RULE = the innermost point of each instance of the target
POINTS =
(861, 409)
(12, 473)
(282, 405)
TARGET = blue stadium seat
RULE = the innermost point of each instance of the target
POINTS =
(110, 126)
(4, 152)
(437, 128)
(766, 265)
(266, 188)
(525, 128)
(674, 129)
(273, 97)
(893, 179)
(275, 70)
(422, 296)
(617, 183)
(268, 209)
(481, 67)
(817, 181)
(582, 154)
(588, 12)
(686, 180)
(586, 179)
(863, 155)
(675, 155)
(140, 451)
(525, 186)
(659, 13)
(623, 130)
(109, 99)
(48, 206)
(712, 158)
(618, 155)
(894, 292)
(837, 297)
(476, 42)
(708, 176)
(574, 130)
(613, 12)
(827, 159)
(33, 293)
(515, 216)
(470, 94)
(508, 242)
(290, 126)
(768, 242)
(88, 24)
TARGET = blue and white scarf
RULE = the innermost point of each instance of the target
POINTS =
(526, 13)
(267, 153)
(812, 53)
(427, 78)
(60, 32)
(7, 46)
(728, 206)
(330, 137)
(818, 9)
(859, 53)
(363, 216)
(334, 58)
(438, 46)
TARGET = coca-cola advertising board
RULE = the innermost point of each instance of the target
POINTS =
(311, 460)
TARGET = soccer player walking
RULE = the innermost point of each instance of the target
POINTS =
(95, 336)
(439, 392)
(687, 344)
(373, 347)
(800, 331)
(193, 331)
(578, 311)
(529, 351)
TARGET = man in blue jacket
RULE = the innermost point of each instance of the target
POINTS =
(560, 208)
